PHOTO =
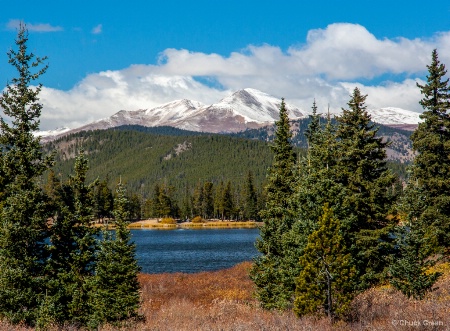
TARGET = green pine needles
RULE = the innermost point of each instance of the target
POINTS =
(116, 297)
(343, 223)
(53, 269)
(326, 281)
(274, 282)
(23, 227)
(425, 239)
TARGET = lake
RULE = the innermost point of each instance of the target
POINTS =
(187, 250)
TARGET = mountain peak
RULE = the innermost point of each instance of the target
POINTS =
(244, 109)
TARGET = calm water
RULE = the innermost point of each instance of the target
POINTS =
(185, 250)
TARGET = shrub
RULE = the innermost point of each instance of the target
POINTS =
(168, 220)
(197, 219)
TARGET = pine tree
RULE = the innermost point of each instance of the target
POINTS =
(228, 203)
(103, 200)
(24, 212)
(186, 204)
(115, 297)
(362, 170)
(426, 201)
(218, 201)
(274, 283)
(208, 202)
(316, 184)
(251, 199)
(156, 202)
(314, 126)
(73, 248)
(198, 200)
(429, 181)
(326, 280)
(316, 187)
(410, 273)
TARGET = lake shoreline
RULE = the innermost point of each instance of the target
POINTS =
(156, 224)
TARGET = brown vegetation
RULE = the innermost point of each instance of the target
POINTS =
(222, 300)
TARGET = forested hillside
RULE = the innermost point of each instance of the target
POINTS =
(400, 149)
(143, 157)
(179, 159)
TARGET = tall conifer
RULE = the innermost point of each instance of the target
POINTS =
(24, 212)
(426, 201)
(429, 183)
(326, 280)
(362, 170)
(73, 247)
(115, 295)
(274, 283)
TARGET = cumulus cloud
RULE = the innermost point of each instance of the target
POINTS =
(326, 68)
(40, 27)
(103, 94)
(97, 29)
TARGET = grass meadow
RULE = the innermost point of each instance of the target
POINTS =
(223, 300)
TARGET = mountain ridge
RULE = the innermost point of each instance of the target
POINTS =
(244, 109)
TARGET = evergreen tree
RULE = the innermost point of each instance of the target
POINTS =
(316, 187)
(429, 182)
(186, 205)
(325, 282)
(115, 297)
(218, 201)
(208, 202)
(274, 283)
(410, 273)
(73, 247)
(251, 199)
(198, 200)
(314, 125)
(24, 212)
(362, 170)
(103, 200)
(228, 203)
(156, 202)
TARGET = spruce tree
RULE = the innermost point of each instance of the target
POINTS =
(426, 202)
(24, 210)
(316, 183)
(410, 273)
(316, 187)
(326, 279)
(228, 203)
(208, 202)
(115, 296)
(274, 283)
(73, 248)
(251, 199)
(429, 181)
(362, 170)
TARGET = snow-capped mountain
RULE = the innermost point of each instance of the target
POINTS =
(248, 108)
(51, 133)
(394, 116)
(244, 109)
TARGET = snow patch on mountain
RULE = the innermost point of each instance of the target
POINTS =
(51, 133)
(394, 116)
(244, 109)
(255, 106)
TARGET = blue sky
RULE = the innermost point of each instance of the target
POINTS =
(105, 56)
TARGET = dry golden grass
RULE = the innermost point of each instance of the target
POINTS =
(223, 300)
(220, 224)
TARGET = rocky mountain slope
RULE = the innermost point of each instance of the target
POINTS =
(244, 109)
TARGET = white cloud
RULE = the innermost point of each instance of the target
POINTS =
(40, 27)
(326, 68)
(103, 94)
(97, 29)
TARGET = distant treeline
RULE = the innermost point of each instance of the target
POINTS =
(176, 162)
